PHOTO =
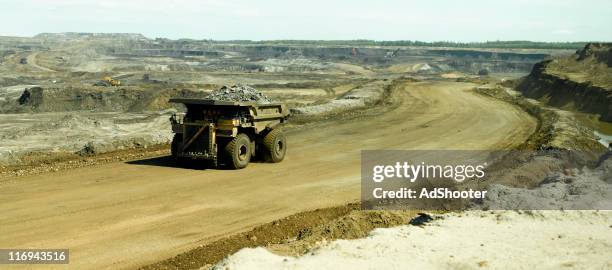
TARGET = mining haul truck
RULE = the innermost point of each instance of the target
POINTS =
(229, 133)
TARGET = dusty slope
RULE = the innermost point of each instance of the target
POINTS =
(62, 133)
(581, 82)
(123, 215)
(563, 240)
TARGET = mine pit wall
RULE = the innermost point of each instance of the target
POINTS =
(505, 56)
(564, 93)
(462, 60)
(365, 95)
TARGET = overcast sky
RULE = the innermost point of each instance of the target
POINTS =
(433, 20)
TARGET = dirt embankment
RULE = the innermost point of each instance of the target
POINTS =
(554, 239)
(292, 235)
(580, 82)
(557, 129)
(90, 98)
(365, 95)
(561, 166)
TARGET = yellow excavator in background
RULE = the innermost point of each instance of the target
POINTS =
(111, 81)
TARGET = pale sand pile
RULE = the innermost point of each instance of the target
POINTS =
(469, 240)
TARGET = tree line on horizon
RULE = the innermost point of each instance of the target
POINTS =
(517, 44)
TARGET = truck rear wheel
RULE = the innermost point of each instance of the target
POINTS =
(274, 146)
(238, 152)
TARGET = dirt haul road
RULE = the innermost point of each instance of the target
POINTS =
(32, 60)
(124, 215)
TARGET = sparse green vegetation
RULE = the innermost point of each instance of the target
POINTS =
(587, 70)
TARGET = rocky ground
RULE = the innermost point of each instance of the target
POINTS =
(239, 93)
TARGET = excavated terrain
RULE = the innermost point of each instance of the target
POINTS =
(89, 157)
(60, 77)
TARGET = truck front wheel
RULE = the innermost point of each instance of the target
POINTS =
(238, 152)
(274, 146)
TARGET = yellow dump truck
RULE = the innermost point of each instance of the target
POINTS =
(229, 133)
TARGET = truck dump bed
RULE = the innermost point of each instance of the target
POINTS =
(257, 111)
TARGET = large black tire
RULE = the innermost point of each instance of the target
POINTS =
(274, 146)
(238, 152)
(176, 142)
